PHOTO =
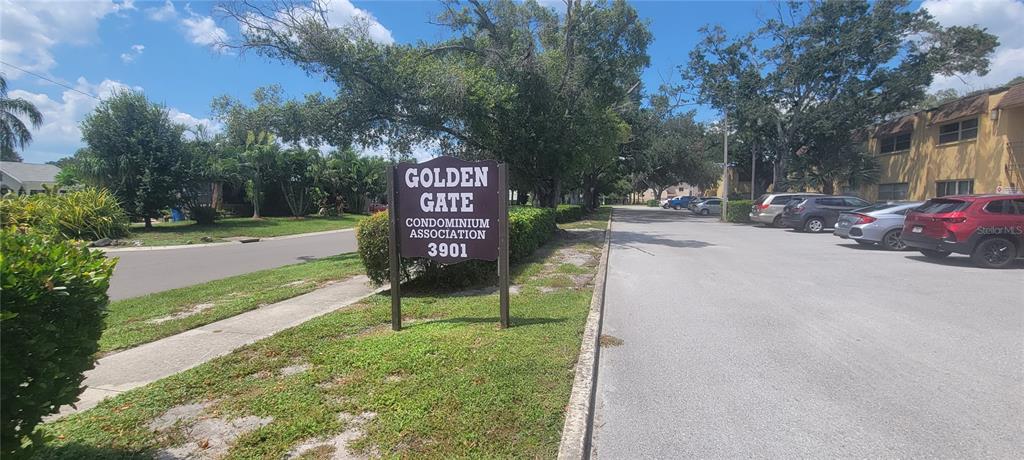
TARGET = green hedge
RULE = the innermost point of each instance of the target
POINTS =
(738, 211)
(569, 213)
(54, 296)
(654, 203)
(528, 228)
(89, 214)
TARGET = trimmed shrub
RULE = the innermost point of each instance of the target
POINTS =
(738, 211)
(653, 203)
(203, 215)
(566, 213)
(88, 214)
(528, 229)
(54, 296)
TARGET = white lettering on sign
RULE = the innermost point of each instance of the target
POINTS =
(467, 176)
(446, 202)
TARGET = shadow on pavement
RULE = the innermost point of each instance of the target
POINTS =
(622, 238)
(658, 215)
(965, 262)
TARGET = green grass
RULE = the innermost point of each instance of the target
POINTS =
(129, 322)
(451, 384)
(596, 220)
(175, 233)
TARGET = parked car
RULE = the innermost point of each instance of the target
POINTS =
(768, 207)
(876, 224)
(708, 207)
(679, 202)
(989, 228)
(816, 213)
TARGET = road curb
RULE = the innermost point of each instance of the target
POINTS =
(579, 414)
(222, 243)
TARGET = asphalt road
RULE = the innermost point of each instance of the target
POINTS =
(742, 341)
(146, 271)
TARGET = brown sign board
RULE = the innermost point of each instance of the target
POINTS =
(448, 209)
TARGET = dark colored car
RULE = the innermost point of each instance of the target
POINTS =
(989, 228)
(816, 213)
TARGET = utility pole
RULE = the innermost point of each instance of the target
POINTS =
(753, 173)
(725, 167)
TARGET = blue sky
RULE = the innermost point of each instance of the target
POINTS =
(167, 50)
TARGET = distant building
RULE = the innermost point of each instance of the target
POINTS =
(26, 178)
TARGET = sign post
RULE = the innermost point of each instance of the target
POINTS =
(393, 257)
(450, 211)
(503, 274)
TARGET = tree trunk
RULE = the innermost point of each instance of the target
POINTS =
(149, 222)
(828, 188)
(657, 193)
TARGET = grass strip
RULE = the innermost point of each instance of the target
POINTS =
(132, 322)
(177, 233)
(451, 384)
(596, 220)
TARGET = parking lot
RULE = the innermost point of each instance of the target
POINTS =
(745, 341)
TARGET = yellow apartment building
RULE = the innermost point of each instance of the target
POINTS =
(971, 145)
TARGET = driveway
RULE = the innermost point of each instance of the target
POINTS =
(147, 271)
(742, 341)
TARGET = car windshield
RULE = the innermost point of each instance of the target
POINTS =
(941, 206)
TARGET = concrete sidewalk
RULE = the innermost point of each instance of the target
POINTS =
(155, 360)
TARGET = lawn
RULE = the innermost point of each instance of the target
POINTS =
(174, 233)
(131, 322)
(451, 384)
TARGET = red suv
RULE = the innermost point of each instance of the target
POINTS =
(989, 228)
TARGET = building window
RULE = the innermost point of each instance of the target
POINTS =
(954, 187)
(896, 143)
(893, 192)
(958, 131)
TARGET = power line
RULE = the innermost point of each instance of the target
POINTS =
(51, 81)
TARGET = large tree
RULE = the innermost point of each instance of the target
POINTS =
(819, 71)
(135, 151)
(13, 132)
(515, 82)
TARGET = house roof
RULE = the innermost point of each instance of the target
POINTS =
(1014, 97)
(30, 172)
(899, 125)
(960, 108)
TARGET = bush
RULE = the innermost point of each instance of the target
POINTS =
(88, 214)
(54, 295)
(653, 203)
(203, 215)
(738, 211)
(566, 213)
(528, 229)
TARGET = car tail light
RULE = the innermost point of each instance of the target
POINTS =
(864, 219)
(954, 220)
(798, 209)
(763, 206)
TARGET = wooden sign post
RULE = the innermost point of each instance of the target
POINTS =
(448, 210)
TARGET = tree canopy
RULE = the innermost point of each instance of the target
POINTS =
(13, 132)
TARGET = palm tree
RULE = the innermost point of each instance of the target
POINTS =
(13, 132)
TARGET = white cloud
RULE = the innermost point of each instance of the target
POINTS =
(31, 29)
(204, 31)
(60, 136)
(131, 54)
(212, 126)
(1002, 18)
(163, 13)
(340, 14)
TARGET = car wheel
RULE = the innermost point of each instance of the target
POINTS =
(777, 221)
(892, 242)
(814, 225)
(933, 254)
(994, 253)
(705, 212)
(864, 243)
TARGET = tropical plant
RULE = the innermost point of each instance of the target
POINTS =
(89, 214)
(13, 132)
(295, 177)
(258, 161)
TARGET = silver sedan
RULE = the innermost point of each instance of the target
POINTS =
(876, 224)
